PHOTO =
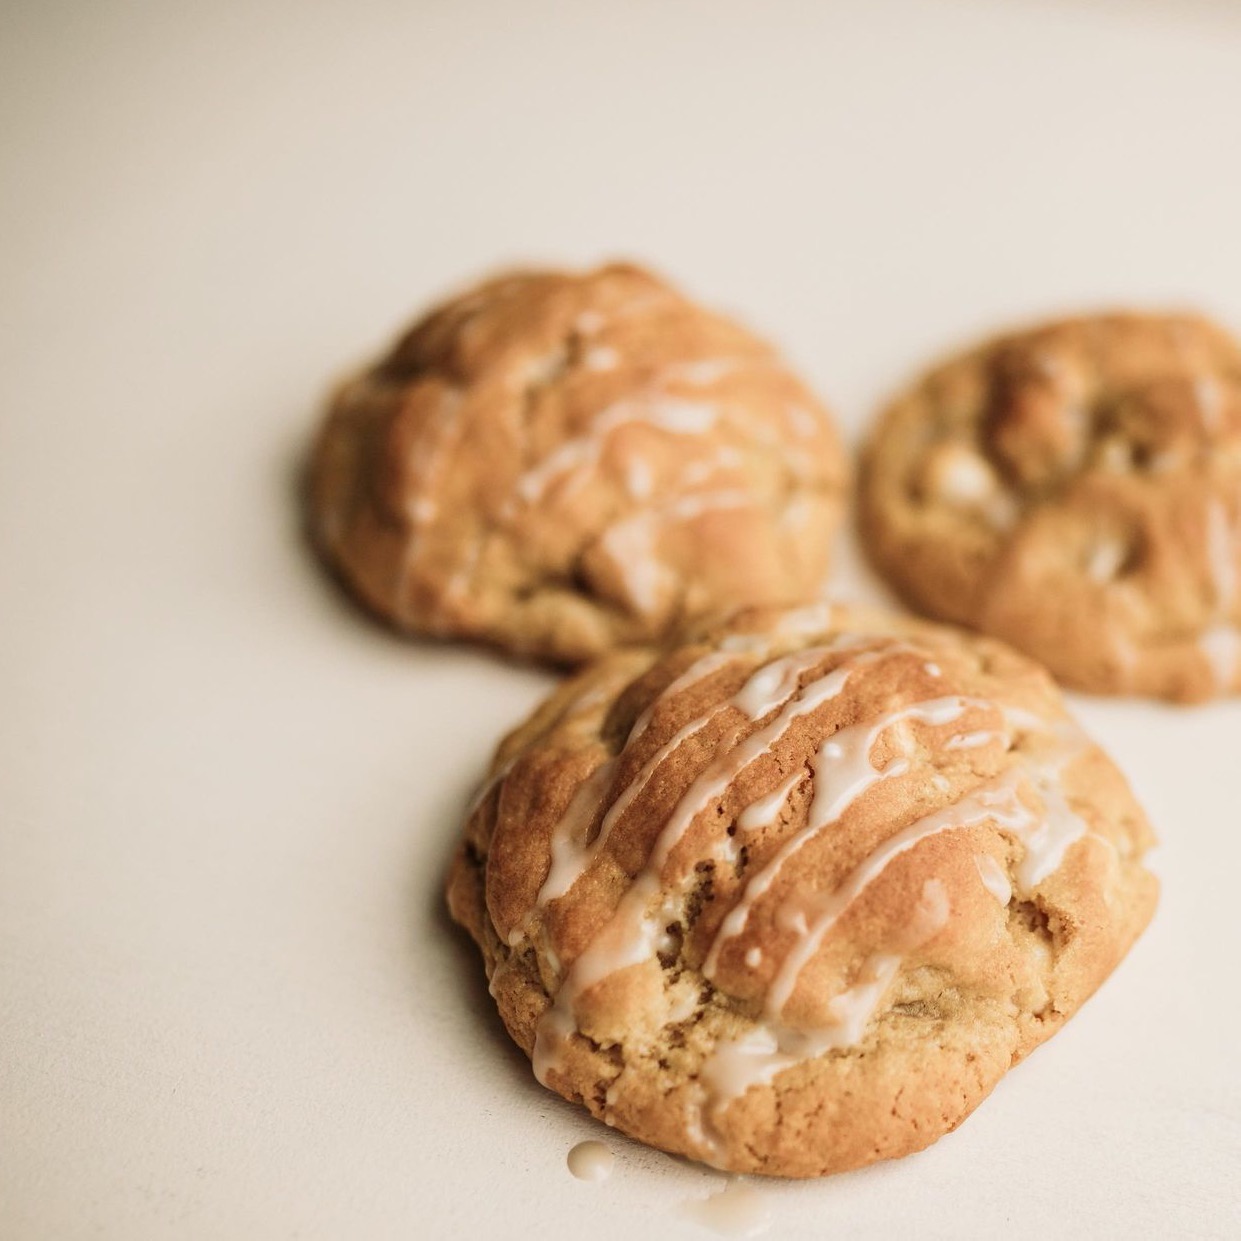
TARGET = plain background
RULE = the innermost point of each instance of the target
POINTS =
(230, 1005)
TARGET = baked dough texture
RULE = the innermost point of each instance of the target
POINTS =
(560, 464)
(1075, 489)
(792, 896)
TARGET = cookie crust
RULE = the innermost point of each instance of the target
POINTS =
(560, 464)
(1075, 489)
(792, 896)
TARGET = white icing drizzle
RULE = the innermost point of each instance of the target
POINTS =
(631, 934)
(671, 414)
(429, 450)
(575, 707)
(806, 621)
(590, 1161)
(629, 937)
(569, 853)
(994, 877)
(632, 544)
(768, 1047)
(1044, 837)
(979, 807)
(770, 686)
(773, 684)
(762, 813)
(972, 741)
(688, 507)
(703, 667)
(485, 789)
(843, 772)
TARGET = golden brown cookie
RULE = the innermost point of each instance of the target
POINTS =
(1075, 490)
(560, 464)
(794, 895)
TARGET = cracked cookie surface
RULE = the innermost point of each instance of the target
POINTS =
(1075, 489)
(561, 464)
(793, 895)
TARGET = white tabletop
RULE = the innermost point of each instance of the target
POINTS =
(231, 1005)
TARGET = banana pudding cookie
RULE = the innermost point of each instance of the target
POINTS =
(1075, 490)
(792, 896)
(560, 464)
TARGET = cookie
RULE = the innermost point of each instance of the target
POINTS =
(560, 464)
(792, 896)
(1075, 490)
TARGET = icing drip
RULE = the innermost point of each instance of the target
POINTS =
(843, 772)
(630, 937)
(771, 686)
(768, 1048)
(994, 877)
(979, 807)
(631, 934)
(762, 813)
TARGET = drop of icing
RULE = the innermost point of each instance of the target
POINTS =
(737, 1210)
(590, 1161)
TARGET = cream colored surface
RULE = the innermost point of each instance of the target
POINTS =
(229, 1003)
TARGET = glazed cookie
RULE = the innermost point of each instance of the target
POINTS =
(794, 895)
(1076, 491)
(561, 464)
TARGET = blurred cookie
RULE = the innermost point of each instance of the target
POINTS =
(560, 464)
(793, 896)
(1076, 490)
